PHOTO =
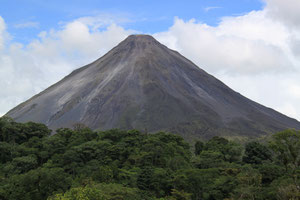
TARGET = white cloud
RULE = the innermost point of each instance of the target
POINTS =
(238, 45)
(103, 20)
(207, 9)
(294, 89)
(278, 91)
(257, 54)
(2, 32)
(27, 25)
(284, 10)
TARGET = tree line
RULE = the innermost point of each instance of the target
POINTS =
(81, 164)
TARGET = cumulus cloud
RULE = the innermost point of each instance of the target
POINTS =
(26, 70)
(237, 45)
(287, 12)
(284, 10)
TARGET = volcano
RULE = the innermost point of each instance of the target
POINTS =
(141, 84)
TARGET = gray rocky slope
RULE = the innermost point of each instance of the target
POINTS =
(141, 84)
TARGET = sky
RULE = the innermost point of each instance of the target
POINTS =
(253, 46)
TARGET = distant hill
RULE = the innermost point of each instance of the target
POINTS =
(141, 84)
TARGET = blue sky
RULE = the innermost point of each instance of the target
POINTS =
(26, 18)
(251, 45)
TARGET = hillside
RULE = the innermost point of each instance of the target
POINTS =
(141, 84)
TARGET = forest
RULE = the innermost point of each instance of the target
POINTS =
(81, 164)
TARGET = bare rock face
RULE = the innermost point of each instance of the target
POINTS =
(141, 84)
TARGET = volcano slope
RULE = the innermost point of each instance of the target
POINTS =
(141, 84)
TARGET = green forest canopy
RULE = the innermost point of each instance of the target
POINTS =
(127, 165)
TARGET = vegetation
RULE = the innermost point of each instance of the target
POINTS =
(80, 164)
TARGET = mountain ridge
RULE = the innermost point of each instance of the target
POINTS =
(142, 84)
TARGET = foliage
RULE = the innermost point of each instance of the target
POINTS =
(256, 153)
(99, 192)
(83, 164)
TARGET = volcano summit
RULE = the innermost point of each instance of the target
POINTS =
(141, 84)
